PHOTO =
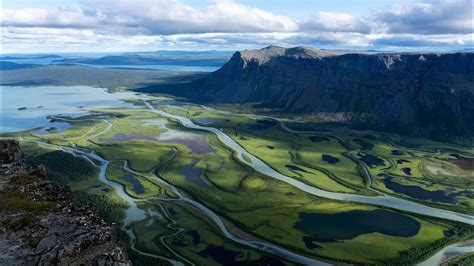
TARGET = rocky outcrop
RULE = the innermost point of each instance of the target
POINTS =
(40, 225)
(414, 92)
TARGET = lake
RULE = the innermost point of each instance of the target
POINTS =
(42, 101)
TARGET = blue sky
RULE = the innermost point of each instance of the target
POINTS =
(144, 25)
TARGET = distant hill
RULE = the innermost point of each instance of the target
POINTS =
(185, 59)
(30, 57)
(13, 66)
(421, 93)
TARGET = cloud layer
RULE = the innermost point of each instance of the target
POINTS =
(127, 25)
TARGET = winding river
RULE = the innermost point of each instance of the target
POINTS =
(260, 166)
(134, 214)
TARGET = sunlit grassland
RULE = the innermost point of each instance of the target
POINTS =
(116, 173)
(426, 160)
(259, 205)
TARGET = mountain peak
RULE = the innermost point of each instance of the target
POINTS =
(300, 52)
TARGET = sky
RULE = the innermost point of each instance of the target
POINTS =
(62, 26)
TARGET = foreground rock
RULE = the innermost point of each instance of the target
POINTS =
(39, 223)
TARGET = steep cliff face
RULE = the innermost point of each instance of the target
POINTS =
(40, 225)
(407, 91)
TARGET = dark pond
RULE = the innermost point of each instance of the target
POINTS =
(263, 124)
(448, 233)
(330, 159)
(125, 137)
(171, 212)
(270, 147)
(364, 144)
(371, 160)
(195, 235)
(209, 120)
(397, 152)
(295, 168)
(324, 227)
(178, 243)
(416, 192)
(195, 141)
(137, 186)
(401, 161)
(193, 174)
(406, 170)
(318, 139)
(309, 242)
(225, 256)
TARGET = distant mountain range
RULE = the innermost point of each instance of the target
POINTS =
(423, 93)
(30, 57)
(171, 58)
(4, 65)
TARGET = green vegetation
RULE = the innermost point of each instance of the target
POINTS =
(110, 206)
(464, 260)
(64, 167)
(18, 202)
(23, 180)
(253, 206)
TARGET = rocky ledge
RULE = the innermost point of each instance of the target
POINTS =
(40, 225)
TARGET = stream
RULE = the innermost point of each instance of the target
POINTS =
(134, 214)
(260, 166)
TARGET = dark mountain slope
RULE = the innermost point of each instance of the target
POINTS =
(411, 92)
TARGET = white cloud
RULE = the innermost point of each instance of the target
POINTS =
(335, 22)
(152, 17)
(428, 17)
(105, 25)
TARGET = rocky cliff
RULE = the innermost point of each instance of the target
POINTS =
(414, 92)
(40, 225)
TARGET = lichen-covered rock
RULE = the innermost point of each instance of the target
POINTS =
(40, 225)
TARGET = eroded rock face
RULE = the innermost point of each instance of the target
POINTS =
(411, 92)
(39, 223)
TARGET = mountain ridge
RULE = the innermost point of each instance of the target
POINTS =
(412, 92)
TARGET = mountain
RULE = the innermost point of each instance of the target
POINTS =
(426, 93)
(14, 66)
(41, 225)
(30, 57)
(158, 59)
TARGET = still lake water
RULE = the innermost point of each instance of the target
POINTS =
(43, 101)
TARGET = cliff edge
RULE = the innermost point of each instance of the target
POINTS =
(40, 225)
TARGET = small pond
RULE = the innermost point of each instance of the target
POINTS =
(317, 139)
(324, 227)
(364, 144)
(295, 168)
(126, 137)
(263, 124)
(371, 160)
(416, 192)
(193, 174)
(137, 186)
(195, 141)
(329, 159)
